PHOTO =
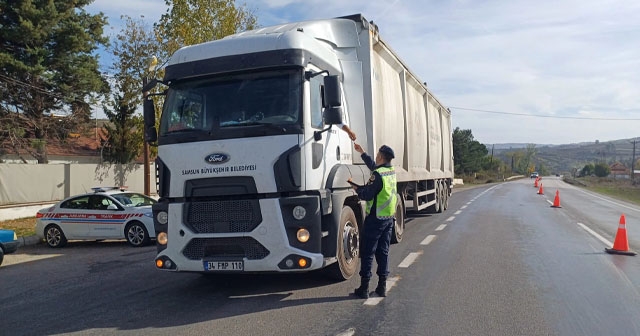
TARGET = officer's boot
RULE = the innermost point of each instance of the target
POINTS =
(363, 290)
(381, 290)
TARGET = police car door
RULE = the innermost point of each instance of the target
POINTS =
(104, 221)
(72, 217)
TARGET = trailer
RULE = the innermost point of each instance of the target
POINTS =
(252, 166)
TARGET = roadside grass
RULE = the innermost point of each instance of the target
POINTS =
(620, 189)
(23, 226)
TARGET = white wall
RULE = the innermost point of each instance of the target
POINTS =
(27, 183)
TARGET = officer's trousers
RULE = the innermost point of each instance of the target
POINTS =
(375, 240)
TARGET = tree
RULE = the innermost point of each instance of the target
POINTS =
(188, 22)
(587, 170)
(601, 169)
(468, 154)
(47, 65)
(131, 49)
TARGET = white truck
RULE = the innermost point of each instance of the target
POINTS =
(252, 166)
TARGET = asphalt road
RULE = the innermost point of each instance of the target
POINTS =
(499, 261)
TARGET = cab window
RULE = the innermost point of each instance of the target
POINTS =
(315, 85)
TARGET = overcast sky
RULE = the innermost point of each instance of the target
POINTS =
(546, 72)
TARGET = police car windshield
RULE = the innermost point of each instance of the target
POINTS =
(133, 199)
(231, 101)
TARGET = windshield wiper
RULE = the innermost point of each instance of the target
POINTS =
(189, 131)
(256, 123)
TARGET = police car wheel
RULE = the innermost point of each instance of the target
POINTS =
(1, 255)
(136, 234)
(54, 236)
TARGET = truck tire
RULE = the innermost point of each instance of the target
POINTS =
(435, 208)
(348, 247)
(398, 223)
(445, 201)
(440, 197)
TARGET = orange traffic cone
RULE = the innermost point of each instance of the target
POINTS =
(556, 200)
(535, 184)
(540, 191)
(621, 245)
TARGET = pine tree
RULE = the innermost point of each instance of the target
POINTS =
(47, 64)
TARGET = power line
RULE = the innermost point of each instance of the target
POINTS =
(543, 116)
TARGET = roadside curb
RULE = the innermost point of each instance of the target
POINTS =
(28, 240)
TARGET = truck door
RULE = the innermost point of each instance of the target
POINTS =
(321, 155)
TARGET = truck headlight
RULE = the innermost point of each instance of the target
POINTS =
(299, 212)
(162, 238)
(163, 217)
(303, 235)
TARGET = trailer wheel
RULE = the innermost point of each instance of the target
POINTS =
(445, 202)
(348, 247)
(438, 198)
(441, 195)
(398, 225)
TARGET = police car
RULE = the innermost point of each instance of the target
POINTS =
(106, 213)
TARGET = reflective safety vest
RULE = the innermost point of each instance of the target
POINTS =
(387, 198)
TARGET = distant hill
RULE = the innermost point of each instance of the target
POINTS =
(563, 158)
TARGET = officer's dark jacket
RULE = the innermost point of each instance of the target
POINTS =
(369, 191)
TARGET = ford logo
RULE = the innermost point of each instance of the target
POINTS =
(216, 158)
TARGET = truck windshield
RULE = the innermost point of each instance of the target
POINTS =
(252, 100)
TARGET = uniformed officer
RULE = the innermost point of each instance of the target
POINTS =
(380, 194)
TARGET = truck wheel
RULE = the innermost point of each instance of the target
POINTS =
(446, 195)
(136, 234)
(436, 195)
(54, 236)
(348, 247)
(440, 197)
(398, 223)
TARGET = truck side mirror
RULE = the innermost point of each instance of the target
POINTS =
(332, 91)
(332, 115)
(149, 112)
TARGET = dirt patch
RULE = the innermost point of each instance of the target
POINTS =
(22, 226)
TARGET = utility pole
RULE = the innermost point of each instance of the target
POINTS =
(633, 162)
(145, 150)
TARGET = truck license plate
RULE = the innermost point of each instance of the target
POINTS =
(224, 265)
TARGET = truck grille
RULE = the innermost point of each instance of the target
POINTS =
(223, 216)
(235, 247)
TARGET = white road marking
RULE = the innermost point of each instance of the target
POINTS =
(348, 332)
(441, 227)
(428, 240)
(463, 207)
(450, 218)
(457, 212)
(548, 201)
(595, 234)
(408, 260)
(372, 301)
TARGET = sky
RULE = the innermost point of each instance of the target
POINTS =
(518, 71)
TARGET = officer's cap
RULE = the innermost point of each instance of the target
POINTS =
(387, 151)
